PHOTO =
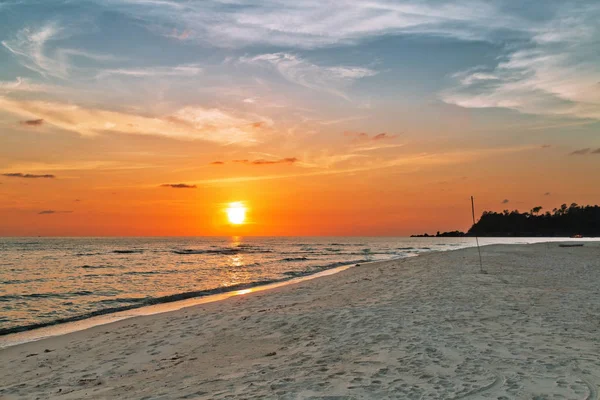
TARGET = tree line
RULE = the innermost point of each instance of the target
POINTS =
(563, 221)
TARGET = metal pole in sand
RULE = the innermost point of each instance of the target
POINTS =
(476, 238)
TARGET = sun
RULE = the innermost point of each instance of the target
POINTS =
(236, 213)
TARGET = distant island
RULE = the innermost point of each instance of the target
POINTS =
(566, 221)
(443, 234)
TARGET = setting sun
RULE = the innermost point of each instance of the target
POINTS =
(236, 213)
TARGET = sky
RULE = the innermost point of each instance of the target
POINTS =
(363, 117)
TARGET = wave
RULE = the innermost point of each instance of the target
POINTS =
(290, 259)
(148, 301)
(132, 300)
(11, 297)
(21, 281)
(127, 251)
(100, 266)
(226, 250)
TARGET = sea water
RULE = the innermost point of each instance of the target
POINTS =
(50, 280)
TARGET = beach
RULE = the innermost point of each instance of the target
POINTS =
(426, 327)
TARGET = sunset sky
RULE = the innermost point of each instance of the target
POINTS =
(148, 117)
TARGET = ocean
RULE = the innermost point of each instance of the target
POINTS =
(45, 281)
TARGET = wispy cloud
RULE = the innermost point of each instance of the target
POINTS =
(363, 141)
(553, 72)
(25, 85)
(30, 47)
(297, 70)
(407, 161)
(28, 176)
(366, 136)
(210, 124)
(178, 186)
(505, 201)
(289, 160)
(104, 165)
(185, 70)
(311, 23)
(342, 120)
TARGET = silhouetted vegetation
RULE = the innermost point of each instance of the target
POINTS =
(564, 221)
(444, 234)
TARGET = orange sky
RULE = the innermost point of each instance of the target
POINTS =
(411, 192)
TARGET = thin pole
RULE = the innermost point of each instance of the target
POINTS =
(476, 238)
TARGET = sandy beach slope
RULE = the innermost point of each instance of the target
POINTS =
(429, 327)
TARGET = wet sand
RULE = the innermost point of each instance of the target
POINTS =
(425, 327)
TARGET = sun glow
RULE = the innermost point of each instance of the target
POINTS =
(236, 213)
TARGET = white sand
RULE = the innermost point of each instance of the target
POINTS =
(429, 327)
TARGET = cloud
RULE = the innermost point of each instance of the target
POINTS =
(185, 70)
(310, 24)
(547, 194)
(175, 34)
(381, 136)
(366, 136)
(552, 71)
(178, 186)
(586, 151)
(217, 163)
(581, 152)
(30, 47)
(46, 212)
(377, 146)
(406, 161)
(26, 85)
(210, 124)
(32, 122)
(304, 73)
(357, 135)
(28, 176)
(366, 142)
(505, 201)
(289, 160)
(546, 146)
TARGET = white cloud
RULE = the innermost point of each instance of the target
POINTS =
(185, 70)
(302, 72)
(313, 23)
(30, 47)
(25, 85)
(555, 73)
(188, 123)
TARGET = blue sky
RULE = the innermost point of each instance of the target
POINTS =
(536, 57)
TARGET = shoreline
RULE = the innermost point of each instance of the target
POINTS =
(33, 332)
(419, 327)
(25, 334)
